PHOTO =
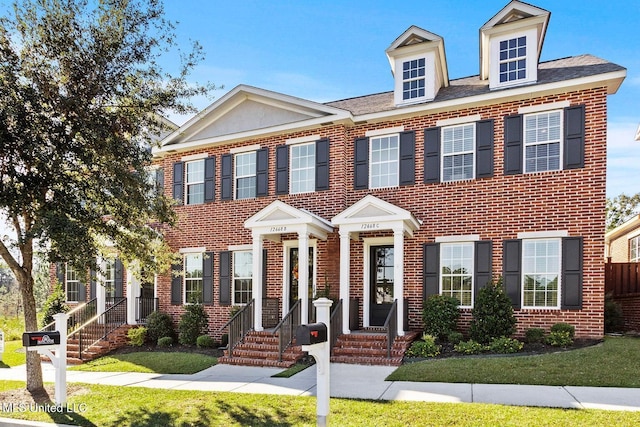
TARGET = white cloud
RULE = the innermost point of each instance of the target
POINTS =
(623, 159)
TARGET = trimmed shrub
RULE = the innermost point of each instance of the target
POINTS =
(564, 327)
(165, 342)
(205, 341)
(137, 336)
(505, 345)
(55, 303)
(613, 316)
(492, 314)
(159, 325)
(455, 337)
(559, 339)
(193, 323)
(426, 347)
(534, 335)
(469, 347)
(440, 315)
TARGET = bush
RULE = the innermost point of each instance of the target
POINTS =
(426, 347)
(165, 342)
(159, 325)
(55, 303)
(505, 345)
(492, 314)
(224, 340)
(455, 337)
(137, 336)
(469, 347)
(205, 341)
(564, 327)
(193, 323)
(559, 339)
(613, 316)
(440, 315)
(534, 335)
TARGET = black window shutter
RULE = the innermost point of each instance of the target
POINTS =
(572, 273)
(322, 164)
(262, 172)
(61, 274)
(408, 158)
(484, 149)
(361, 164)
(92, 283)
(207, 278)
(178, 178)
(159, 180)
(511, 270)
(226, 177)
(513, 145)
(574, 122)
(282, 169)
(209, 179)
(82, 291)
(264, 273)
(225, 277)
(432, 155)
(430, 269)
(483, 267)
(176, 284)
(118, 279)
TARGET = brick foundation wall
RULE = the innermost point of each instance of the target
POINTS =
(630, 305)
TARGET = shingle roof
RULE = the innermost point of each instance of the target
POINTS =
(548, 72)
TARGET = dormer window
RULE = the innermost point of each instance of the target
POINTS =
(413, 79)
(513, 59)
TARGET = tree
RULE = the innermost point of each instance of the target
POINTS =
(81, 98)
(621, 208)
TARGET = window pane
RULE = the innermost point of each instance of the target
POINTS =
(456, 271)
(458, 152)
(302, 169)
(384, 161)
(541, 272)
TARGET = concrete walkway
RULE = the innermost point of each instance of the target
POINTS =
(356, 381)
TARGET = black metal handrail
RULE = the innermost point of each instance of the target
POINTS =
(391, 326)
(100, 326)
(286, 328)
(77, 317)
(336, 324)
(240, 325)
(144, 307)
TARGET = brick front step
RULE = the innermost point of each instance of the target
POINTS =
(370, 348)
(242, 361)
(362, 360)
(116, 339)
(261, 349)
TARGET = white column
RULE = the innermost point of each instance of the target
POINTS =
(60, 360)
(133, 292)
(256, 289)
(101, 294)
(345, 262)
(398, 275)
(303, 275)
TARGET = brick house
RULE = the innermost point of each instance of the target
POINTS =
(435, 187)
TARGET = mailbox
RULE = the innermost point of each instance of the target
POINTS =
(313, 333)
(40, 339)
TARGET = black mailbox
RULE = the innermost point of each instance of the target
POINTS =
(40, 338)
(312, 333)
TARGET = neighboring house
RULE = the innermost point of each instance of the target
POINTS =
(435, 187)
(622, 244)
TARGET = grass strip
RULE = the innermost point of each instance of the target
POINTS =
(150, 362)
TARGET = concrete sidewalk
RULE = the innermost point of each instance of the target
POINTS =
(356, 381)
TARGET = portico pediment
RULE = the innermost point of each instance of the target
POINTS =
(279, 218)
(371, 213)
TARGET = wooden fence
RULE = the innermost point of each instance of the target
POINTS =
(622, 278)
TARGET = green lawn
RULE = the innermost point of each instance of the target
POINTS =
(13, 327)
(154, 362)
(14, 354)
(611, 364)
(145, 407)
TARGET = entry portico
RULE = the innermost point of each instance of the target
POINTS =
(371, 214)
(271, 223)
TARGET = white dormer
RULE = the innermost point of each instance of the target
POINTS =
(510, 45)
(419, 66)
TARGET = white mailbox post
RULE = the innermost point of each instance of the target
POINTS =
(1, 344)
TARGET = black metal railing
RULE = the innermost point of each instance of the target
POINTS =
(336, 324)
(100, 326)
(240, 325)
(391, 326)
(77, 317)
(144, 307)
(286, 328)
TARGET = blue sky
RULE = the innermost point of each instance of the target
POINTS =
(330, 50)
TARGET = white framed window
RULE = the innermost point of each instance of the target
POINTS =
(194, 181)
(543, 141)
(302, 168)
(456, 271)
(634, 249)
(513, 59)
(384, 158)
(413, 79)
(458, 152)
(73, 284)
(193, 280)
(242, 277)
(245, 170)
(541, 264)
(109, 281)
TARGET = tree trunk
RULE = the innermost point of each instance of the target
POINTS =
(34, 367)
